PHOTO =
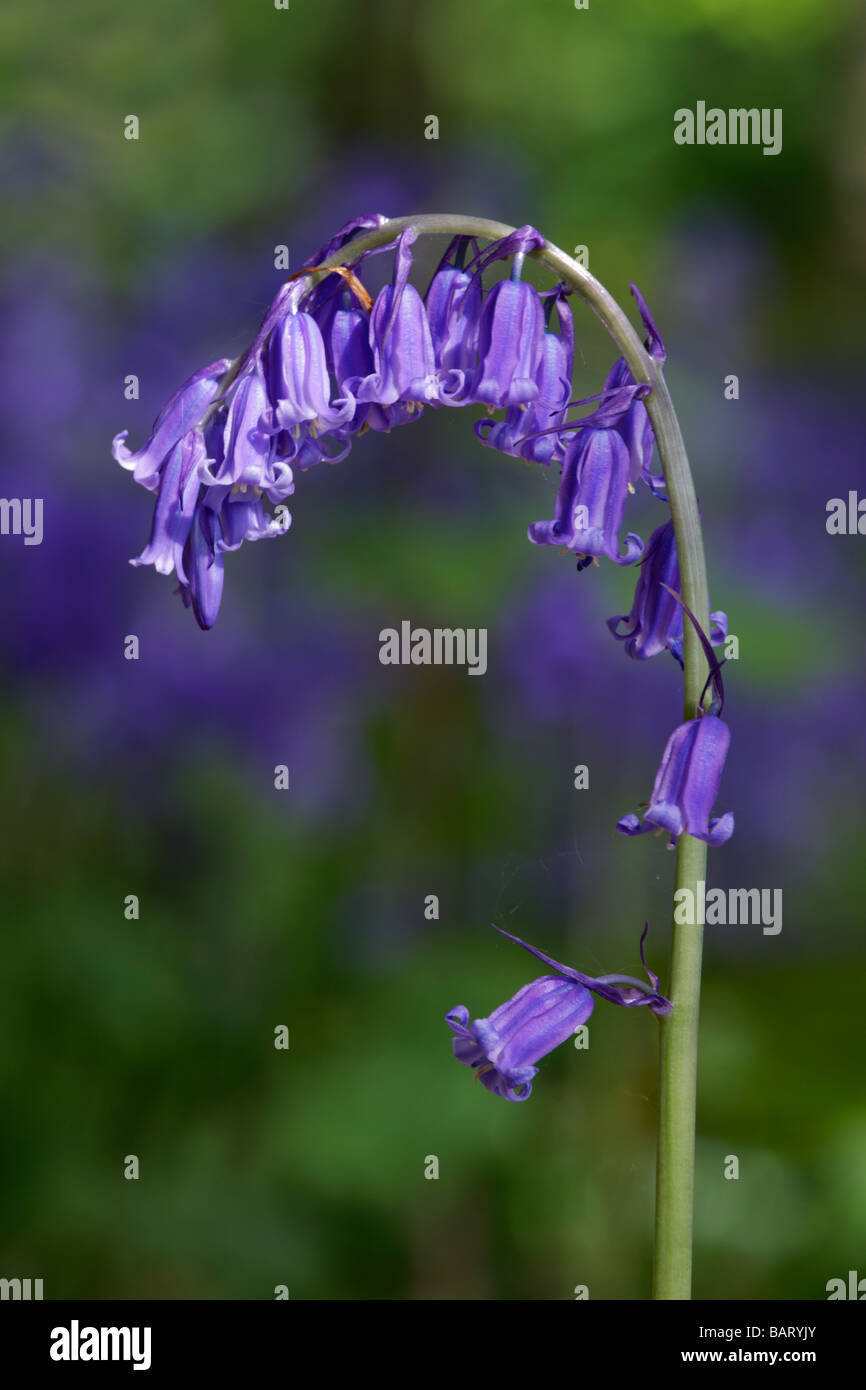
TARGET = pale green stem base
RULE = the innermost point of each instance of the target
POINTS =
(678, 1059)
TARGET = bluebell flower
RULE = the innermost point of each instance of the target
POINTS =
(297, 381)
(655, 623)
(348, 351)
(242, 517)
(203, 565)
(210, 487)
(180, 415)
(590, 504)
(404, 363)
(306, 426)
(687, 784)
(248, 454)
(636, 431)
(503, 1048)
(178, 490)
(494, 342)
(350, 358)
(531, 431)
(453, 303)
(510, 346)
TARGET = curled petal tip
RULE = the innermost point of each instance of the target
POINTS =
(119, 451)
(633, 550)
(630, 825)
(721, 829)
(655, 346)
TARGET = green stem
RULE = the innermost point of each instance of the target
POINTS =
(672, 1262)
(678, 1043)
(678, 1062)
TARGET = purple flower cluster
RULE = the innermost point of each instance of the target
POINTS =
(329, 363)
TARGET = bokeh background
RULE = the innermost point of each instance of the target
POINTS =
(306, 908)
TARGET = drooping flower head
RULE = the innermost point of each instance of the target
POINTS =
(655, 623)
(210, 482)
(687, 784)
(204, 565)
(590, 504)
(532, 431)
(242, 517)
(328, 362)
(404, 363)
(178, 491)
(453, 305)
(248, 454)
(298, 385)
(503, 1048)
(510, 330)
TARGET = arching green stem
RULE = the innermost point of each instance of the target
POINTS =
(679, 1031)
